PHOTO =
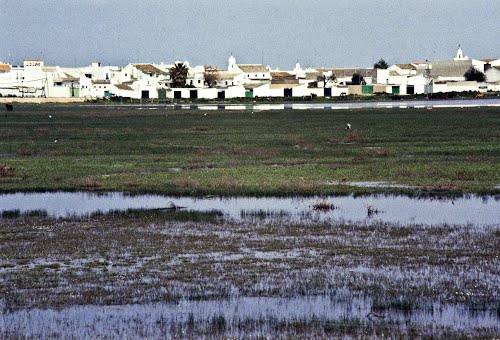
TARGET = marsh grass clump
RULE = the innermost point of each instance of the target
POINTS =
(162, 214)
(7, 171)
(323, 206)
(218, 323)
(264, 214)
(11, 213)
(35, 213)
(199, 128)
(354, 137)
(372, 211)
(400, 304)
(89, 183)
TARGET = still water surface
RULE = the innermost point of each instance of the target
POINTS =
(467, 209)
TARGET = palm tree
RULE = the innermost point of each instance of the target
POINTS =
(178, 75)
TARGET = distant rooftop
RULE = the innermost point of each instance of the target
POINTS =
(249, 68)
(149, 69)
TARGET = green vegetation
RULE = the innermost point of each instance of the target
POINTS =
(473, 74)
(179, 73)
(381, 63)
(243, 153)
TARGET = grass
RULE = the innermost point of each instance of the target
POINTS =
(163, 214)
(240, 153)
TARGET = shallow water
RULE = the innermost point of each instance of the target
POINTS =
(417, 104)
(405, 210)
(89, 321)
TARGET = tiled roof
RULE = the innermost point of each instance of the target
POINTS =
(253, 86)
(225, 75)
(101, 82)
(123, 87)
(252, 68)
(348, 72)
(394, 74)
(283, 78)
(406, 66)
(149, 69)
(280, 74)
(448, 68)
(67, 80)
(313, 75)
(282, 86)
(4, 67)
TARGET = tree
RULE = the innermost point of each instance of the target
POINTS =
(474, 74)
(382, 64)
(210, 75)
(357, 79)
(178, 75)
(327, 79)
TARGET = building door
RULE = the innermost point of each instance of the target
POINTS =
(410, 89)
(288, 92)
(221, 94)
(193, 94)
(177, 94)
(395, 90)
(367, 89)
(328, 92)
(145, 94)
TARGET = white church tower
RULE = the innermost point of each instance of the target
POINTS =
(460, 55)
(231, 67)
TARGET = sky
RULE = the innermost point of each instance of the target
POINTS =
(278, 33)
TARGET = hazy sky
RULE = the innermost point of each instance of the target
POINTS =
(330, 33)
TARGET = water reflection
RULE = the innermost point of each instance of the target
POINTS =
(466, 209)
(266, 312)
(417, 104)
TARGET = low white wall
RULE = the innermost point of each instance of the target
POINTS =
(235, 92)
(207, 93)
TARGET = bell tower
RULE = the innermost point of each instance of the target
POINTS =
(231, 63)
(460, 54)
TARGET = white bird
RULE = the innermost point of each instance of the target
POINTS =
(55, 140)
(348, 126)
(50, 116)
(205, 114)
